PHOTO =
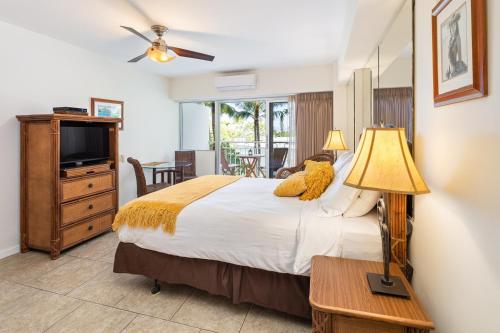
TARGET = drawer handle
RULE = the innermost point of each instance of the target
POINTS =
(91, 185)
(91, 206)
(91, 227)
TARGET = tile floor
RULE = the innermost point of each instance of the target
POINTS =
(80, 293)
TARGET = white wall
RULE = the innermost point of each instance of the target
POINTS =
(456, 242)
(196, 125)
(37, 73)
(399, 74)
(270, 82)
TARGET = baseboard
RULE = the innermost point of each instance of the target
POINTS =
(9, 251)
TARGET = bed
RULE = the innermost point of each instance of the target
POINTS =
(244, 243)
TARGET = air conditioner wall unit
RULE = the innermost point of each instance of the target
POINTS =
(236, 82)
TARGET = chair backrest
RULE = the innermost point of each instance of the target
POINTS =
(278, 157)
(187, 156)
(223, 160)
(139, 176)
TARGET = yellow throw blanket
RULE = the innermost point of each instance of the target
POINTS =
(162, 207)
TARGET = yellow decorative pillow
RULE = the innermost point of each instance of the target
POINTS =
(318, 175)
(293, 186)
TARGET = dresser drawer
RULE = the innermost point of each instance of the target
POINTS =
(106, 221)
(86, 229)
(80, 187)
(77, 210)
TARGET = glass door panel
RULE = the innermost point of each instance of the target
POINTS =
(243, 138)
(279, 137)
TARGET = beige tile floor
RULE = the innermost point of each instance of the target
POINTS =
(80, 293)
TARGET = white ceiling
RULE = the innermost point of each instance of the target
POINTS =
(241, 34)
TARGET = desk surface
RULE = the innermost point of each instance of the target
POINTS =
(166, 165)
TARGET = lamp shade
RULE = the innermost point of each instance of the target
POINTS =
(383, 163)
(335, 141)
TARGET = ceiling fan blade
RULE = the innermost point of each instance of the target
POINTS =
(136, 59)
(191, 54)
(137, 33)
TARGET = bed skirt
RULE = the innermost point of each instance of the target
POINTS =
(278, 291)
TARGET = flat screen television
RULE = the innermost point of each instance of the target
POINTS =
(86, 143)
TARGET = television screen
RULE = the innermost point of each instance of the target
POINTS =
(82, 143)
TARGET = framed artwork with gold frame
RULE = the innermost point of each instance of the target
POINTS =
(101, 107)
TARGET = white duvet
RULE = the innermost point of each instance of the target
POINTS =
(245, 224)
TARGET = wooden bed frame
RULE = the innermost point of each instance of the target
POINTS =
(283, 292)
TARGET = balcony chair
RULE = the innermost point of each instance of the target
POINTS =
(227, 169)
(277, 160)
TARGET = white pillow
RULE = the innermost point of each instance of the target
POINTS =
(363, 204)
(342, 160)
(338, 197)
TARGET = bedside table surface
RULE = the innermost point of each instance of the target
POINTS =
(340, 286)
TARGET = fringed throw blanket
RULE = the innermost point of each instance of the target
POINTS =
(162, 207)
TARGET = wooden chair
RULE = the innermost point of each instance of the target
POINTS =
(278, 158)
(142, 188)
(285, 172)
(190, 171)
(227, 169)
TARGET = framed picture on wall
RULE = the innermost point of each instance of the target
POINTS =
(107, 108)
(459, 51)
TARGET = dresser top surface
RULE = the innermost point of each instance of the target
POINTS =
(68, 117)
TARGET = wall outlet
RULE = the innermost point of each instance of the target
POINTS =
(122, 158)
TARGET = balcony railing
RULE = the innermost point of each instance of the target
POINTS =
(232, 151)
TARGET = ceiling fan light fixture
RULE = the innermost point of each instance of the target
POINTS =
(159, 55)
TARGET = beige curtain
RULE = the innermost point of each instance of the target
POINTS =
(394, 107)
(314, 116)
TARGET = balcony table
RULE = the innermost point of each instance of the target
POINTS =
(251, 164)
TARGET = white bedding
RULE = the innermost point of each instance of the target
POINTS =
(245, 224)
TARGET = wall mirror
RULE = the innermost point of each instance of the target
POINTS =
(382, 91)
(391, 65)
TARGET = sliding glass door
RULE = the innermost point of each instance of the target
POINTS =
(248, 137)
(243, 140)
(279, 136)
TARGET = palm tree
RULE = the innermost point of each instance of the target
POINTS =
(245, 110)
(281, 115)
(211, 105)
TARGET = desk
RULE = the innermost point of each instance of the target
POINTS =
(168, 168)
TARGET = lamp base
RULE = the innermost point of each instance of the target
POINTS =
(378, 287)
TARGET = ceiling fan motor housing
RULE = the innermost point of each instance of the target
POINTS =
(159, 30)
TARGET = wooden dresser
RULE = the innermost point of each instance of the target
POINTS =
(63, 207)
(342, 301)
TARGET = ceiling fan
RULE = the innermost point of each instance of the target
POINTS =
(160, 52)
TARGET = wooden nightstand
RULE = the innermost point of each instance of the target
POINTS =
(343, 303)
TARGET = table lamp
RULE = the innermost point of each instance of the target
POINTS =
(383, 163)
(335, 141)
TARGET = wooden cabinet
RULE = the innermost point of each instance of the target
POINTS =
(63, 207)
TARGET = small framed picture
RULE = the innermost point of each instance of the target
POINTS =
(107, 108)
(459, 51)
